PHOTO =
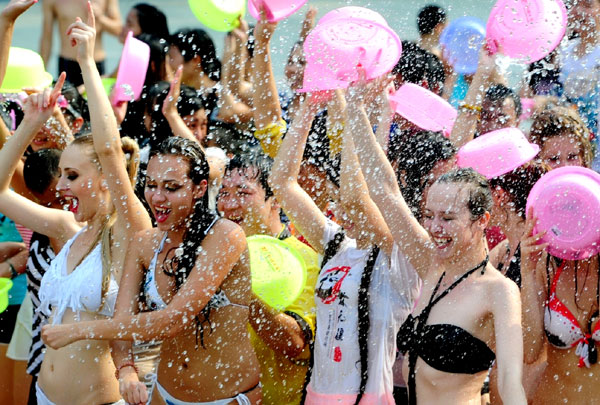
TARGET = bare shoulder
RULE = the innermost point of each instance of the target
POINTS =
(499, 288)
(226, 233)
(498, 253)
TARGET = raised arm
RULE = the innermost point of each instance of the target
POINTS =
(231, 109)
(8, 17)
(49, 17)
(354, 194)
(296, 203)
(468, 114)
(169, 109)
(53, 223)
(506, 309)
(204, 280)
(383, 188)
(107, 140)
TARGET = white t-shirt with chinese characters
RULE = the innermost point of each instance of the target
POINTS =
(392, 292)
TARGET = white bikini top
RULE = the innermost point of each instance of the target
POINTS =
(79, 290)
(155, 301)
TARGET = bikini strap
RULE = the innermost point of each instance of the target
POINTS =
(421, 320)
(433, 301)
(556, 276)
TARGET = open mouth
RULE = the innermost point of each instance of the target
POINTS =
(161, 214)
(441, 242)
(237, 219)
(72, 204)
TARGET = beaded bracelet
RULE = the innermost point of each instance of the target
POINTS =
(126, 364)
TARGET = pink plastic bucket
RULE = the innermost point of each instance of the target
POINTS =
(527, 29)
(497, 152)
(362, 13)
(275, 10)
(566, 202)
(132, 70)
(334, 49)
(424, 108)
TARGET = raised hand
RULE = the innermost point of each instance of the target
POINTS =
(38, 107)
(170, 104)
(263, 31)
(15, 8)
(83, 36)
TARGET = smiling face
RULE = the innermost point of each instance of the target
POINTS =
(81, 184)
(243, 201)
(560, 151)
(170, 192)
(448, 220)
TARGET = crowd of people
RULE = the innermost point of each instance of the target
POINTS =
(124, 225)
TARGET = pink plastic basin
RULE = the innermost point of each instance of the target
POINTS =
(566, 202)
(334, 50)
(132, 70)
(424, 108)
(527, 29)
(497, 152)
(275, 10)
(353, 12)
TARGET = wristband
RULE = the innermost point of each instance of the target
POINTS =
(126, 364)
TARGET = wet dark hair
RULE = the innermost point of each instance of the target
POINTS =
(518, 183)
(152, 20)
(255, 165)
(199, 222)
(157, 93)
(40, 169)
(429, 17)
(497, 93)
(417, 65)
(416, 155)
(196, 42)
(157, 66)
(480, 195)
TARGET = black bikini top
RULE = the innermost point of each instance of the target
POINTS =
(445, 347)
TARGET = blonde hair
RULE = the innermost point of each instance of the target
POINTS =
(131, 151)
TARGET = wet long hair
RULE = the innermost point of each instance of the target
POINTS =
(152, 20)
(198, 224)
(130, 149)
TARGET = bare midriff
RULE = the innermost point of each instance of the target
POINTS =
(80, 373)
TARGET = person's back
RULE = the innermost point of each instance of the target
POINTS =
(65, 12)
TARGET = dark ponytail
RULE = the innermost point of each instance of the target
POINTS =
(178, 263)
(364, 322)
